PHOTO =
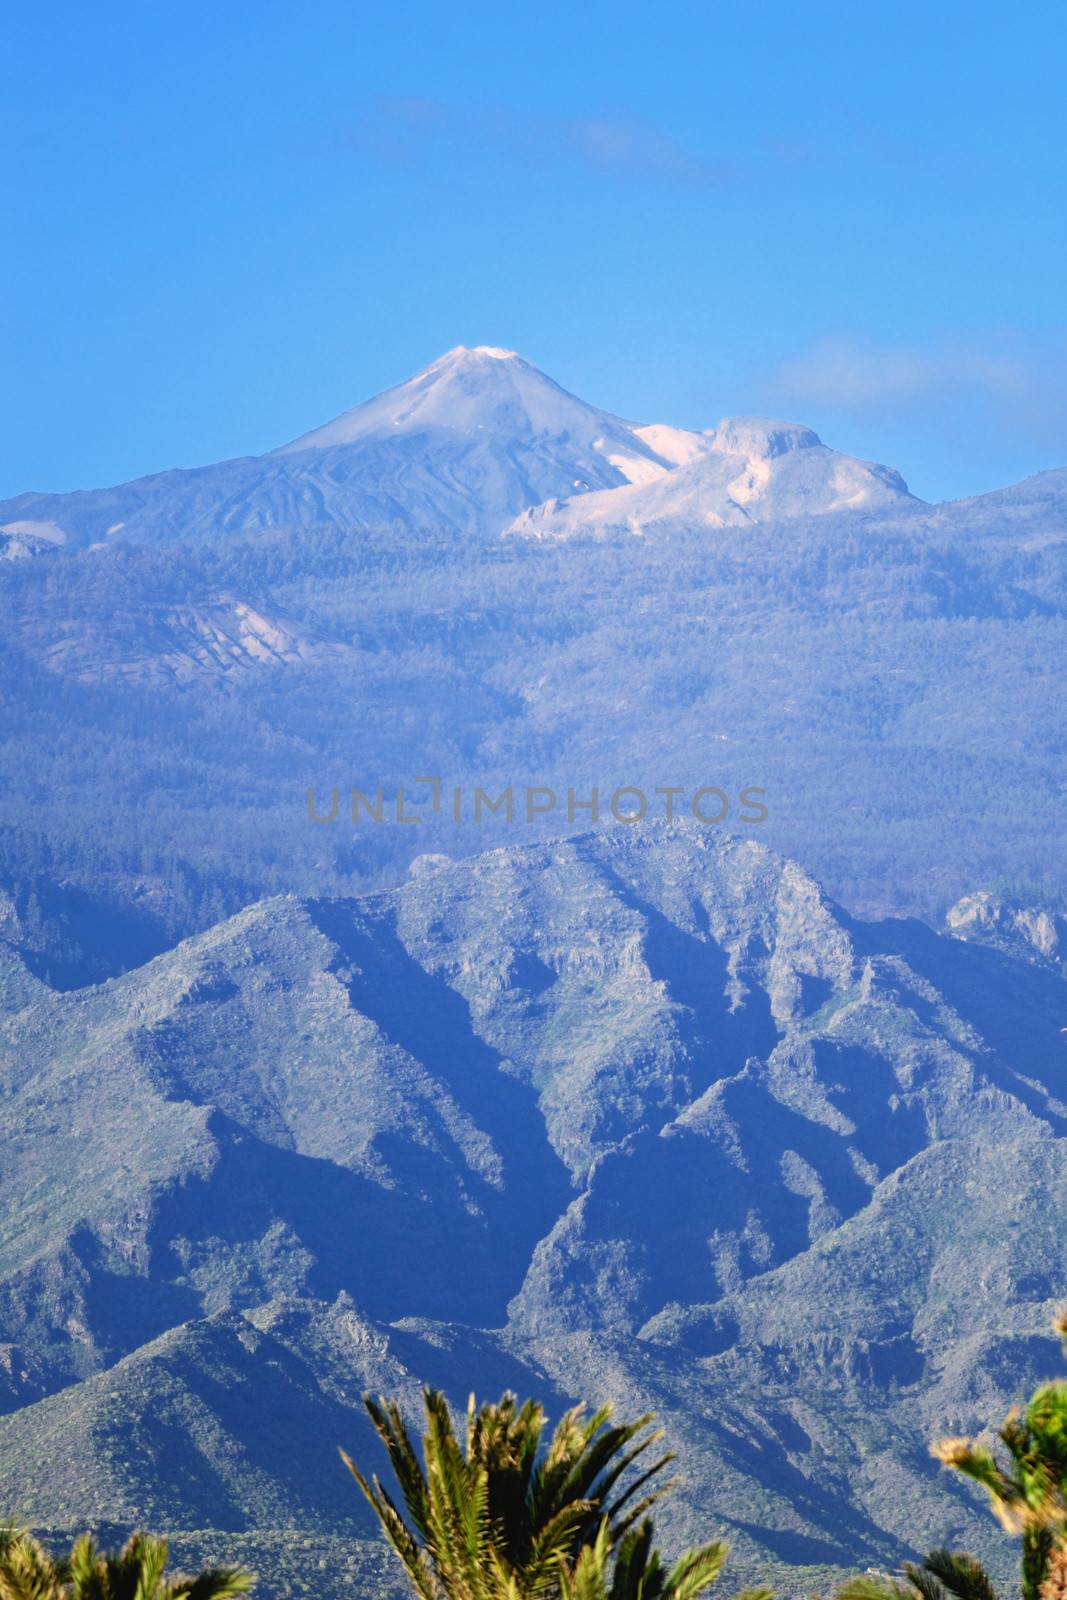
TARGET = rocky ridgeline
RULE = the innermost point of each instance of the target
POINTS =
(639, 1114)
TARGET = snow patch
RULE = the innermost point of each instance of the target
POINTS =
(638, 469)
(51, 532)
(747, 470)
(760, 437)
(676, 446)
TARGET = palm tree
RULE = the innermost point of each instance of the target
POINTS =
(28, 1572)
(510, 1518)
(638, 1572)
(1028, 1494)
(944, 1573)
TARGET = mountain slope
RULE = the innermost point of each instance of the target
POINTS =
(727, 1152)
(894, 668)
(459, 449)
(476, 440)
(495, 392)
(531, 1062)
(750, 471)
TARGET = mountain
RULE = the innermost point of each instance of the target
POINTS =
(750, 470)
(1042, 489)
(640, 1114)
(476, 439)
(462, 447)
(892, 685)
(495, 392)
(1036, 933)
(346, 612)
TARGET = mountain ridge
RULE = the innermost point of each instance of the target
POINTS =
(470, 443)
(641, 1113)
(754, 470)
(616, 1116)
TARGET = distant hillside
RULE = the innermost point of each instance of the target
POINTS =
(638, 1112)
(480, 576)
(644, 1104)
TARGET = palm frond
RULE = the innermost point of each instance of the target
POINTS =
(390, 1427)
(960, 1574)
(867, 1586)
(399, 1535)
(214, 1583)
(27, 1572)
(925, 1583)
(696, 1571)
(638, 1571)
(500, 1513)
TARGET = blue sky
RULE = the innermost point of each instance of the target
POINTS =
(225, 223)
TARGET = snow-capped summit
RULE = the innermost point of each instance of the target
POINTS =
(462, 390)
(760, 437)
(487, 391)
(750, 470)
(480, 442)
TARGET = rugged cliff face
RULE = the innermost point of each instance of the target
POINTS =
(1034, 933)
(644, 1102)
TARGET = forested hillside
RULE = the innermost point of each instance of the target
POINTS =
(166, 710)
(641, 1115)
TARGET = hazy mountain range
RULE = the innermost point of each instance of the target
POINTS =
(478, 576)
(476, 439)
(640, 1112)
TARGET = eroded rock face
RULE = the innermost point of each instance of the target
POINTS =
(587, 1079)
(1033, 932)
(225, 638)
(643, 1101)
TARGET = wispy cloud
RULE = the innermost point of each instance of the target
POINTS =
(405, 130)
(858, 375)
(637, 149)
(1016, 376)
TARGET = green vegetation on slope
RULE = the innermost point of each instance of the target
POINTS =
(639, 1116)
(895, 687)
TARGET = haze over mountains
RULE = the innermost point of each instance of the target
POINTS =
(479, 576)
